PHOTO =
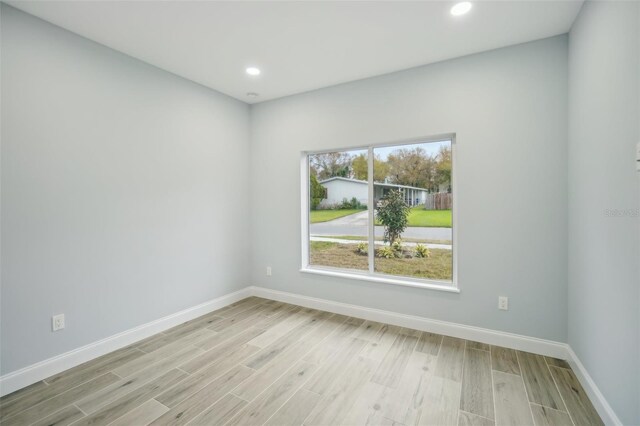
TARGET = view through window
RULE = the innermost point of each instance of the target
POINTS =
(408, 233)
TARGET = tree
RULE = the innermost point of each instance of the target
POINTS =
(316, 192)
(330, 164)
(360, 168)
(412, 167)
(393, 213)
(443, 167)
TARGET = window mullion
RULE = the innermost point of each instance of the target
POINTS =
(371, 211)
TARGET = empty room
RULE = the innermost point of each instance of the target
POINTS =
(323, 213)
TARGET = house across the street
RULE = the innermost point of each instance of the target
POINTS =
(339, 188)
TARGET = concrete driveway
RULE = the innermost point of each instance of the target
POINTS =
(356, 224)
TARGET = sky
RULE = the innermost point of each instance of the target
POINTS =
(432, 149)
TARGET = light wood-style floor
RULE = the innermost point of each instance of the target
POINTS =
(263, 362)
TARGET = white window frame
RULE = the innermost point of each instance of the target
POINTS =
(370, 274)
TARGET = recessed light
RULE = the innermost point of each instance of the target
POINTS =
(461, 8)
(252, 95)
(253, 71)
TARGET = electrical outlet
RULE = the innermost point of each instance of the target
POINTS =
(268, 271)
(503, 303)
(57, 322)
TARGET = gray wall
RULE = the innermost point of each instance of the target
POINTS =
(509, 110)
(604, 252)
(123, 191)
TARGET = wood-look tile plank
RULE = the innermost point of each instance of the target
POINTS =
(545, 416)
(269, 401)
(191, 407)
(450, 359)
(512, 405)
(180, 331)
(130, 401)
(287, 322)
(478, 345)
(296, 409)
(378, 347)
(404, 404)
(557, 362)
(441, 402)
(142, 415)
(96, 400)
(198, 380)
(20, 393)
(220, 412)
(264, 377)
(160, 354)
(505, 360)
(393, 364)
(538, 381)
(215, 354)
(240, 317)
(64, 417)
(477, 394)
(334, 367)
(578, 405)
(337, 339)
(469, 419)
(243, 305)
(44, 408)
(368, 330)
(92, 369)
(271, 351)
(429, 343)
(339, 398)
(190, 338)
(370, 405)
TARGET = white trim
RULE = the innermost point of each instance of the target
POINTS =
(381, 278)
(372, 275)
(598, 400)
(18, 379)
(478, 334)
(25, 376)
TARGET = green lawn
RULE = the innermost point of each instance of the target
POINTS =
(318, 216)
(430, 218)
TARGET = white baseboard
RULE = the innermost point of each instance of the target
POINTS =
(598, 400)
(20, 378)
(41, 370)
(484, 335)
(478, 334)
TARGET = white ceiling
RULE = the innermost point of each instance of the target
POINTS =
(300, 46)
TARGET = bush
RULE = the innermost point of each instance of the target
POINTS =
(397, 246)
(362, 248)
(353, 204)
(316, 192)
(422, 251)
(393, 214)
(386, 252)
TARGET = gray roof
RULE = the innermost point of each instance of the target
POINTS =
(386, 185)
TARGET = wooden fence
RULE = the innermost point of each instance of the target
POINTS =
(438, 201)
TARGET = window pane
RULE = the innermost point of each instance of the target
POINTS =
(414, 182)
(338, 216)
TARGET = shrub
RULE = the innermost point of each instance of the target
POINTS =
(397, 246)
(422, 251)
(362, 248)
(386, 252)
(393, 214)
(316, 192)
(353, 204)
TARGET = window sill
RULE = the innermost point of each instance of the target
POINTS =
(428, 285)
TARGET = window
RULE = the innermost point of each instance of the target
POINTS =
(381, 213)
